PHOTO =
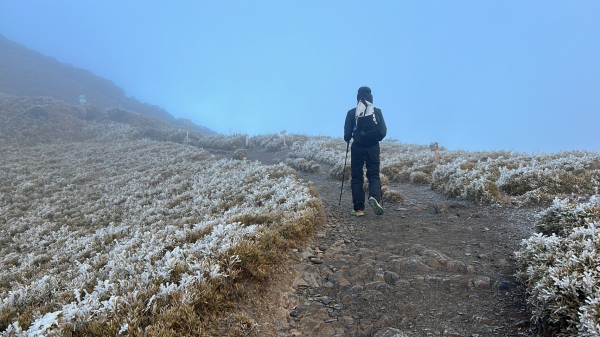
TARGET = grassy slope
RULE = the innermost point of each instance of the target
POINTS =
(26, 72)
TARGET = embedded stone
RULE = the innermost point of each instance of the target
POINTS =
(312, 280)
(339, 279)
(299, 282)
(413, 264)
(482, 282)
(432, 262)
(456, 266)
(379, 276)
(389, 332)
(347, 300)
(382, 321)
(390, 277)
(310, 324)
(356, 289)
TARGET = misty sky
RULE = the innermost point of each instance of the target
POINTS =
(473, 75)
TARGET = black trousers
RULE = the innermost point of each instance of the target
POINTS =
(359, 157)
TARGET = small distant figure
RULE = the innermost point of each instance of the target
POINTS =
(366, 126)
(82, 100)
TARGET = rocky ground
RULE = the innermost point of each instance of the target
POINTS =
(430, 266)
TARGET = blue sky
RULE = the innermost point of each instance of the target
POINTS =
(473, 75)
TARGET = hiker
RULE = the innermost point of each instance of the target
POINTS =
(366, 126)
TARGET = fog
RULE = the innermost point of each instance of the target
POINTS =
(469, 75)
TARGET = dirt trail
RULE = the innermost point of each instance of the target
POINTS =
(429, 266)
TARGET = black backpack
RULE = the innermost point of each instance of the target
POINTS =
(367, 129)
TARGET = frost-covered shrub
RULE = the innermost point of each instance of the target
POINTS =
(338, 173)
(240, 154)
(273, 142)
(483, 191)
(302, 164)
(520, 178)
(482, 176)
(419, 177)
(222, 142)
(561, 268)
(391, 195)
(466, 179)
(104, 234)
(103, 131)
(560, 218)
(327, 150)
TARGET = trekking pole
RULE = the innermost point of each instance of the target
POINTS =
(344, 172)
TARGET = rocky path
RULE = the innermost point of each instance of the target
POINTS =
(427, 267)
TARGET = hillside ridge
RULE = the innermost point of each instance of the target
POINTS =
(31, 121)
(26, 72)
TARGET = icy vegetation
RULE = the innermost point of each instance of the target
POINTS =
(560, 265)
(331, 151)
(481, 176)
(484, 177)
(302, 164)
(222, 142)
(98, 236)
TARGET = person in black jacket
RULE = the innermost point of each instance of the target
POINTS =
(365, 125)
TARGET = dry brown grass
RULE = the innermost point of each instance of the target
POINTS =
(392, 195)
(419, 177)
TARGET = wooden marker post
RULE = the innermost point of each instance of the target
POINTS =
(434, 147)
(283, 135)
(187, 122)
(246, 141)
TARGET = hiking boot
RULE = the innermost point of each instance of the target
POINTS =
(358, 213)
(375, 206)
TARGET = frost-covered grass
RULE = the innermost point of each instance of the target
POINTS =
(518, 177)
(137, 236)
(322, 149)
(560, 265)
(222, 142)
(302, 164)
(273, 142)
(484, 176)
